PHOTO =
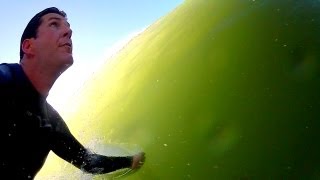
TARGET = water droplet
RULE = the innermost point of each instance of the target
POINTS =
(29, 113)
(165, 145)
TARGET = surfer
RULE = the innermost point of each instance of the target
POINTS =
(29, 126)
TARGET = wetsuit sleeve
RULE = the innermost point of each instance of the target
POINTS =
(66, 146)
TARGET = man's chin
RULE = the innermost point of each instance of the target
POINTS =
(67, 63)
(69, 60)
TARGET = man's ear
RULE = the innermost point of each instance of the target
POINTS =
(27, 47)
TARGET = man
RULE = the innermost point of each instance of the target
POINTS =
(29, 126)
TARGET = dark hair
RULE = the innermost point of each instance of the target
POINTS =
(32, 27)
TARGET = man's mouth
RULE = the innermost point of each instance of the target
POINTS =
(68, 46)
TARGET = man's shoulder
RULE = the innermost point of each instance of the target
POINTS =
(6, 73)
(56, 120)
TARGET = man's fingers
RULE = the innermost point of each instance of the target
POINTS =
(139, 160)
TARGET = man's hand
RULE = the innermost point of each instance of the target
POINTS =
(138, 160)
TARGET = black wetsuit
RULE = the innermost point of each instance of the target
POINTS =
(30, 128)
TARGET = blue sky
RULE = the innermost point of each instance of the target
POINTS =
(97, 27)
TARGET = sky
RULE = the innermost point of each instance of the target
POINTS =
(100, 28)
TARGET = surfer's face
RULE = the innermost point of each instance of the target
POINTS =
(53, 44)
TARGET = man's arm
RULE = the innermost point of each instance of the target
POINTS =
(66, 146)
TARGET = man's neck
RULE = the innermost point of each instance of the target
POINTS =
(40, 79)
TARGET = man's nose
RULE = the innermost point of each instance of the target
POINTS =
(67, 32)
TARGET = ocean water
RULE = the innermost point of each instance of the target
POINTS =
(214, 90)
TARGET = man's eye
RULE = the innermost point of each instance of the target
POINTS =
(55, 24)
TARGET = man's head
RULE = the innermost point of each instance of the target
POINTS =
(32, 27)
(47, 40)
